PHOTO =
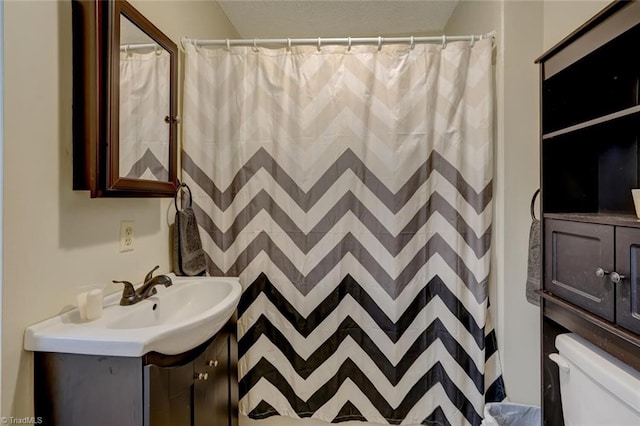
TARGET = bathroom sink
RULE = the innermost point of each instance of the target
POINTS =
(176, 319)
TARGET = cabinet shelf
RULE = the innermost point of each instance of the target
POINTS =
(619, 219)
(594, 122)
(614, 339)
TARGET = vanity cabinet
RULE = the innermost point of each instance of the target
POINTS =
(590, 161)
(196, 388)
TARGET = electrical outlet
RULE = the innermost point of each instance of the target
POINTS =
(126, 235)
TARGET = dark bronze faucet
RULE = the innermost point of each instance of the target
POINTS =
(130, 296)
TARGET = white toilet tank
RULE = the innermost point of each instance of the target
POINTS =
(596, 388)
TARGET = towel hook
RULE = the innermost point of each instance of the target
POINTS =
(175, 199)
(533, 205)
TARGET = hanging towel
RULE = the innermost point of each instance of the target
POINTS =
(533, 268)
(188, 255)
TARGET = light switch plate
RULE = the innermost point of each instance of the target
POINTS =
(126, 235)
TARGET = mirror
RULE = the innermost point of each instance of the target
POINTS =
(125, 106)
(144, 107)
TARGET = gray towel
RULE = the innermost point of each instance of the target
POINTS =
(533, 268)
(188, 255)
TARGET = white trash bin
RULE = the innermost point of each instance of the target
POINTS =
(511, 414)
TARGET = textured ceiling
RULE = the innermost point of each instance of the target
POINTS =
(337, 18)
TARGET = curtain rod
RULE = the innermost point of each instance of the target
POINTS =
(139, 46)
(347, 41)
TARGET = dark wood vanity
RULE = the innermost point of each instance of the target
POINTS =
(196, 388)
(590, 161)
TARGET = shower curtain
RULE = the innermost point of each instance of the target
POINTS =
(144, 103)
(350, 189)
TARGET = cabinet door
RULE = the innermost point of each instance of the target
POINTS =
(81, 390)
(628, 265)
(168, 395)
(211, 392)
(573, 252)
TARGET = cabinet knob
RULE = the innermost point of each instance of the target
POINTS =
(212, 363)
(600, 273)
(616, 277)
(202, 376)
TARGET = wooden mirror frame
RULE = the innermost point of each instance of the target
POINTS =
(96, 95)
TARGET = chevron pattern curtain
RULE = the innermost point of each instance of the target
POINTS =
(351, 192)
(144, 103)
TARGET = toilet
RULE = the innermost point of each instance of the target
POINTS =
(596, 388)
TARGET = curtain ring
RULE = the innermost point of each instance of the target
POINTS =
(412, 43)
(228, 45)
(379, 43)
(288, 44)
(473, 40)
(348, 44)
(255, 45)
(319, 43)
(444, 41)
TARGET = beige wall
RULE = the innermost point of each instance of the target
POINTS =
(519, 177)
(562, 17)
(57, 240)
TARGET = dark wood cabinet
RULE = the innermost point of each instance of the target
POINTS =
(595, 267)
(628, 265)
(590, 161)
(574, 251)
(191, 389)
(195, 393)
(211, 392)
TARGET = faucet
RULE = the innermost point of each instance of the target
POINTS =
(131, 296)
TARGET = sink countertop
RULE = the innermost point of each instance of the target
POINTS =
(176, 319)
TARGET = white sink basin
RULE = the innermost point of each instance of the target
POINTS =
(176, 319)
